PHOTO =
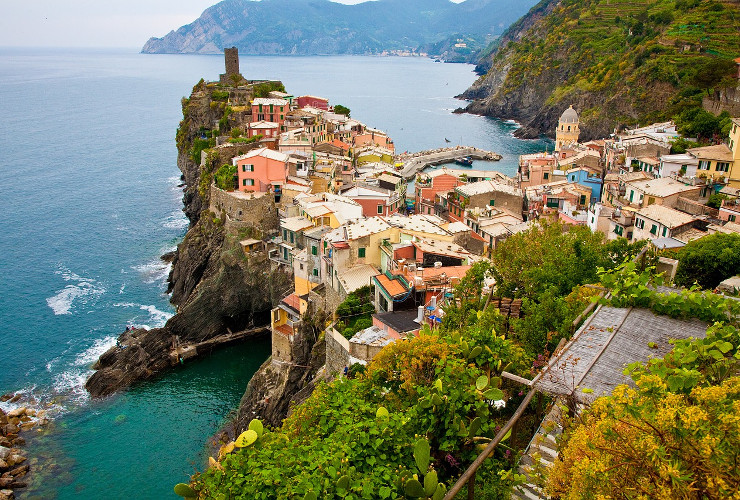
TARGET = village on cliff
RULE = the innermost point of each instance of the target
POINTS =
(348, 219)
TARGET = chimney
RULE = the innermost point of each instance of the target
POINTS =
(420, 316)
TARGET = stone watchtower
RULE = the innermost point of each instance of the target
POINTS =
(567, 131)
(231, 58)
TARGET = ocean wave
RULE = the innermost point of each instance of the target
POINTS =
(159, 317)
(176, 220)
(155, 271)
(156, 319)
(92, 353)
(84, 290)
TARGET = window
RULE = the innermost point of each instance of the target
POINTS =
(361, 252)
(651, 200)
(632, 194)
(380, 209)
(654, 229)
(731, 218)
(292, 237)
(247, 182)
(722, 167)
(491, 203)
(639, 223)
(704, 165)
(314, 250)
(546, 176)
(665, 231)
(276, 315)
(583, 199)
(248, 168)
(315, 272)
(301, 267)
(618, 230)
(285, 235)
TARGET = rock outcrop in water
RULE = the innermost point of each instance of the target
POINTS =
(221, 295)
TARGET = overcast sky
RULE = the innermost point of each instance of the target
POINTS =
(96, 23)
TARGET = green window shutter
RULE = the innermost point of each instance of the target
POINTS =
(491, 203)
(315, 272)
(583, 199)
(654, 229)
(632, 193)
(361, 252)
(314, 250)
(665, 230)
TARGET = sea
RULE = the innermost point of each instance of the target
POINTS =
(91, 198)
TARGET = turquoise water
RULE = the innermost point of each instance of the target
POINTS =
(90, 194)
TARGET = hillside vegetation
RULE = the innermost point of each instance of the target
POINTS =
(617, 61)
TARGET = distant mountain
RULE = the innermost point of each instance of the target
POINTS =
(319, 27)
(618, 62)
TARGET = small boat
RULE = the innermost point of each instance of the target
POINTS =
(465, 161)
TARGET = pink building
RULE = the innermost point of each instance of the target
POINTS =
(262, 170)
(730, 211)
(270, 110)
(429, 184)
(268, 130)
(373, 137)
(314, 102)
(374, 200)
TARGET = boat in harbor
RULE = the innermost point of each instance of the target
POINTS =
(465, 161)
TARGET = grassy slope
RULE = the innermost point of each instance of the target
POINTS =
(623, 61)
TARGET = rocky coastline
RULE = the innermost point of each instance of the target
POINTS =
(221, 296)
(14, 463)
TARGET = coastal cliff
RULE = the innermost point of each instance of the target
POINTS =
(221, 294)
(617, 62)
(322, 27)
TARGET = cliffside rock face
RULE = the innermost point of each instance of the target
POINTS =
(217, 289)
(277, 386)
(268, 27)
(617, 62)
(232, 295)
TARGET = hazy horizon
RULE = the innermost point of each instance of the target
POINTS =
(93, 24)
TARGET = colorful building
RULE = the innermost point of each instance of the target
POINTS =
(271, 110)
(262, 170)
(313, 101)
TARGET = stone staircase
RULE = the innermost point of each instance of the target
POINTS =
(539, 456)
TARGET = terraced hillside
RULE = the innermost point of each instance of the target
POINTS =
(618, 62)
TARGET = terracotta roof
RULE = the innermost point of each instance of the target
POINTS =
(392, 287)
(285, 330)
(293, 301)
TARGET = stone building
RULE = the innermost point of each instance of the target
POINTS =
(231, 59)
(567, 131)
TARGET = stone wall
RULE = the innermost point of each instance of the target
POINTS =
(282, 348)
(332, 298)
(337, 351)
(259, 212)
(723, 100)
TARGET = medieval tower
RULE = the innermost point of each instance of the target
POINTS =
(231, 58)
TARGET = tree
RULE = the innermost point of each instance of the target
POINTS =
(709, 260)
(341, 110)
(548, 254)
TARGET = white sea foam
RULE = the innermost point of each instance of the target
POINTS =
(155, 271)
(82, 290)
(176, 220)
(159, 317)
(156, 317)
(92, 353)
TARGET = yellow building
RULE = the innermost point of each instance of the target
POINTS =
(567, 131)
(734, 177)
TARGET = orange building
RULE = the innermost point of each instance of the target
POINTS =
(262, 170)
